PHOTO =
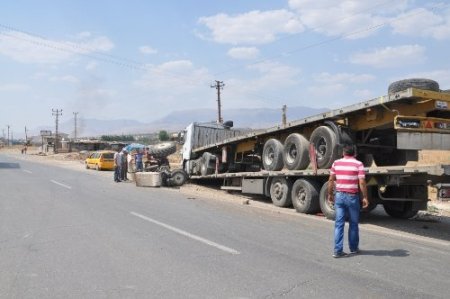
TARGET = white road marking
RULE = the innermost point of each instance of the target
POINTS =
(186, 234)
(27, 171)
(60, 184)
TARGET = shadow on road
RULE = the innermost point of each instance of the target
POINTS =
(425, 224)
(393, 253)
(9, 165)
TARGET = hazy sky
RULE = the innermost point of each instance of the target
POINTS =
(142, 59)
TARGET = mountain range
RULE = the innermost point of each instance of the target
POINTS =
(243, 118)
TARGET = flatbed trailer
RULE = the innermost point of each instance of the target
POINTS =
(290, 162)
(403, 191)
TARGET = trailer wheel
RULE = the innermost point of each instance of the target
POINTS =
(296, 152)
(397, 157)
(280, 192)
(425, 84)
(399, 209)
(178, 177)
(366, 159)
(305, 196)
(272, 156)
(324, 140)
(326, 207)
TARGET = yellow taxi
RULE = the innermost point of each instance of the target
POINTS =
(100, 160)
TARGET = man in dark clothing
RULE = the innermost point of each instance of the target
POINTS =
(124, 166)
(117, 167)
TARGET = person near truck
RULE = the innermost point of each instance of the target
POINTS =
(124, 165)
(138, 160)
(348, 174)
(117, 167)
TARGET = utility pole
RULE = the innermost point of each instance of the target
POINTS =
(8, 134)
(26, 136)
(75, 114)
(219, 85)
(56, 113)
(283, 116)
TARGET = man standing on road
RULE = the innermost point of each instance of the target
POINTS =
(117, 166)
(348, 173)
(124, 165)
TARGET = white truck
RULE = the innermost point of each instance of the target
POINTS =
(289, 163)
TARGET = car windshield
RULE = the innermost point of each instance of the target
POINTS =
(108, 156)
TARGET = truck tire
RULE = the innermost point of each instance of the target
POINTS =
(399, 209)
(397, 157)
(420, 83)
(163, 149)
(280, 192)
(177, 177)
(324, 140)
(272, 157)
(366, 159)
(305, 196)
(296, 152)
(326, 207)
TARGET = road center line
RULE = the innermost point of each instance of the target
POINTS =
(60, 184)
(27, 171)
(186, 234)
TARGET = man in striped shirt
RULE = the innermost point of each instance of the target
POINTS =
(348, 173)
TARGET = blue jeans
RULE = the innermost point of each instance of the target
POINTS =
(346, 205)
(117, 173)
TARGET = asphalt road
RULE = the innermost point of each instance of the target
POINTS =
(77, 234)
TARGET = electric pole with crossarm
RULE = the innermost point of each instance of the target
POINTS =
(219, 85)
(56, 113)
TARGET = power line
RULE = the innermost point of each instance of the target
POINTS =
(330, 40)
(135, 65)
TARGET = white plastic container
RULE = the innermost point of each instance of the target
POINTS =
(148, 179)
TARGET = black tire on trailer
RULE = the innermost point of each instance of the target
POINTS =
(324, 140)
(163, 149)
(280, 192)
(178, 177)
(371, 207)
(272, 157)
(396, 157)
(399, 209)
(366, 159)
(420, 83)
(305, 196)
(296, 152)
(326, 207)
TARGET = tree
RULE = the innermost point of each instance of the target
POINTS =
(163, 135)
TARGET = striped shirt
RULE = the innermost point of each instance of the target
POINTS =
(348, 171)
